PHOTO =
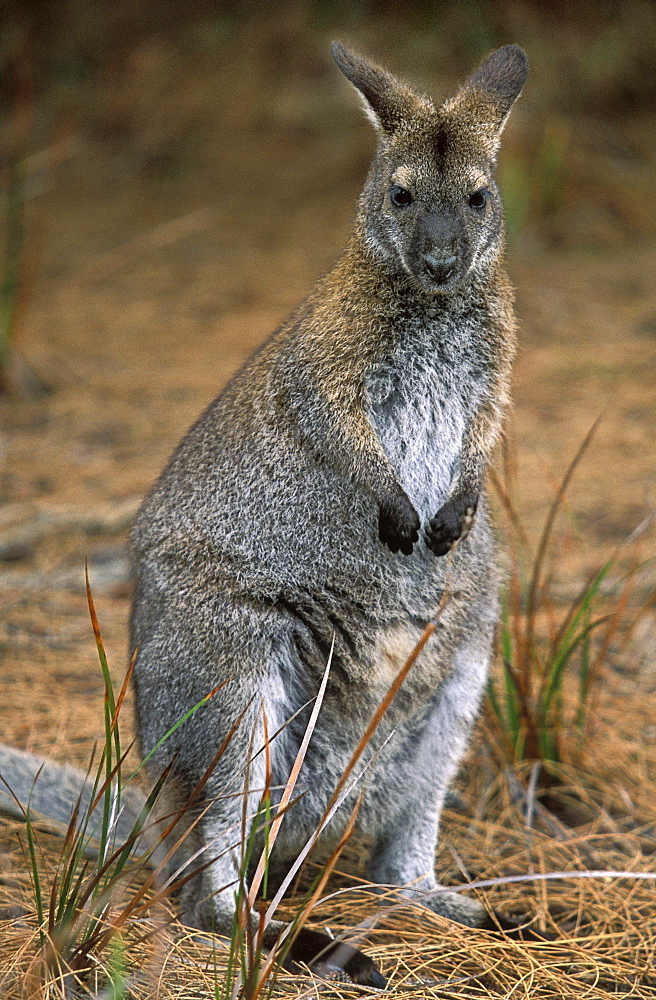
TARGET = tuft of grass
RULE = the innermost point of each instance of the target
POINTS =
(542, 648)
(83, 905)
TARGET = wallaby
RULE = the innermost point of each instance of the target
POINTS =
(314, 500)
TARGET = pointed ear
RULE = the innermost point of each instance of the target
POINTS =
(388, 103)
(502, 75)
(492, 90)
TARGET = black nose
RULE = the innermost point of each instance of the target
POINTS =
(440, 270)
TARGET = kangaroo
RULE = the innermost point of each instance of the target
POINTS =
(314, 502)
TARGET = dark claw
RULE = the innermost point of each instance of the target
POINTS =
(333, 957)
(377, 979)
(513, 928)
(398, 525)
(452, 522)
(437, 547)
(361, 969)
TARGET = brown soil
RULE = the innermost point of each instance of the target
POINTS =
(174, 218)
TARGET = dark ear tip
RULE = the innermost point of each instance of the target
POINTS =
(517, 52)
(517, 58)
(502, 74)
(340, 53)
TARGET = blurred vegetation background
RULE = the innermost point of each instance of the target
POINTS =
(168, 91)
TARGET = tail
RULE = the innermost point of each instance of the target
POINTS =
(52, 791)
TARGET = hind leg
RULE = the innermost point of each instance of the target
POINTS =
(176, 668)
(404, 849)
(173, 672)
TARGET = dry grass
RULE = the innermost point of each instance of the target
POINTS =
(525, 821)
(601, 816)
(135, 326)
(605, 929)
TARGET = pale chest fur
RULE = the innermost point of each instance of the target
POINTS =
(420, 402)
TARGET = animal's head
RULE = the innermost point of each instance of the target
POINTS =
(431, 205)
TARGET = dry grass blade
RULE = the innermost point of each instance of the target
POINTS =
(509, 506)
(392, 692)
(277, 955)
(312, 840)
(124, 690)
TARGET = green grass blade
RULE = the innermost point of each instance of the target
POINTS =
(512, 703)
(111, 798)
(495, 704)
(534, 586)
(167, 735)
(556, 674)
(572, 637)
(584, 682)
(34, 874)
(117, 969)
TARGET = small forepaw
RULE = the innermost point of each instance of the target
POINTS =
(398, 525)
(452, 522)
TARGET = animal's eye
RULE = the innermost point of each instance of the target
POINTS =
(478, 199)
(400, 196)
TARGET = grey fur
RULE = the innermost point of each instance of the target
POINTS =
(52, 791)
(291, 512)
